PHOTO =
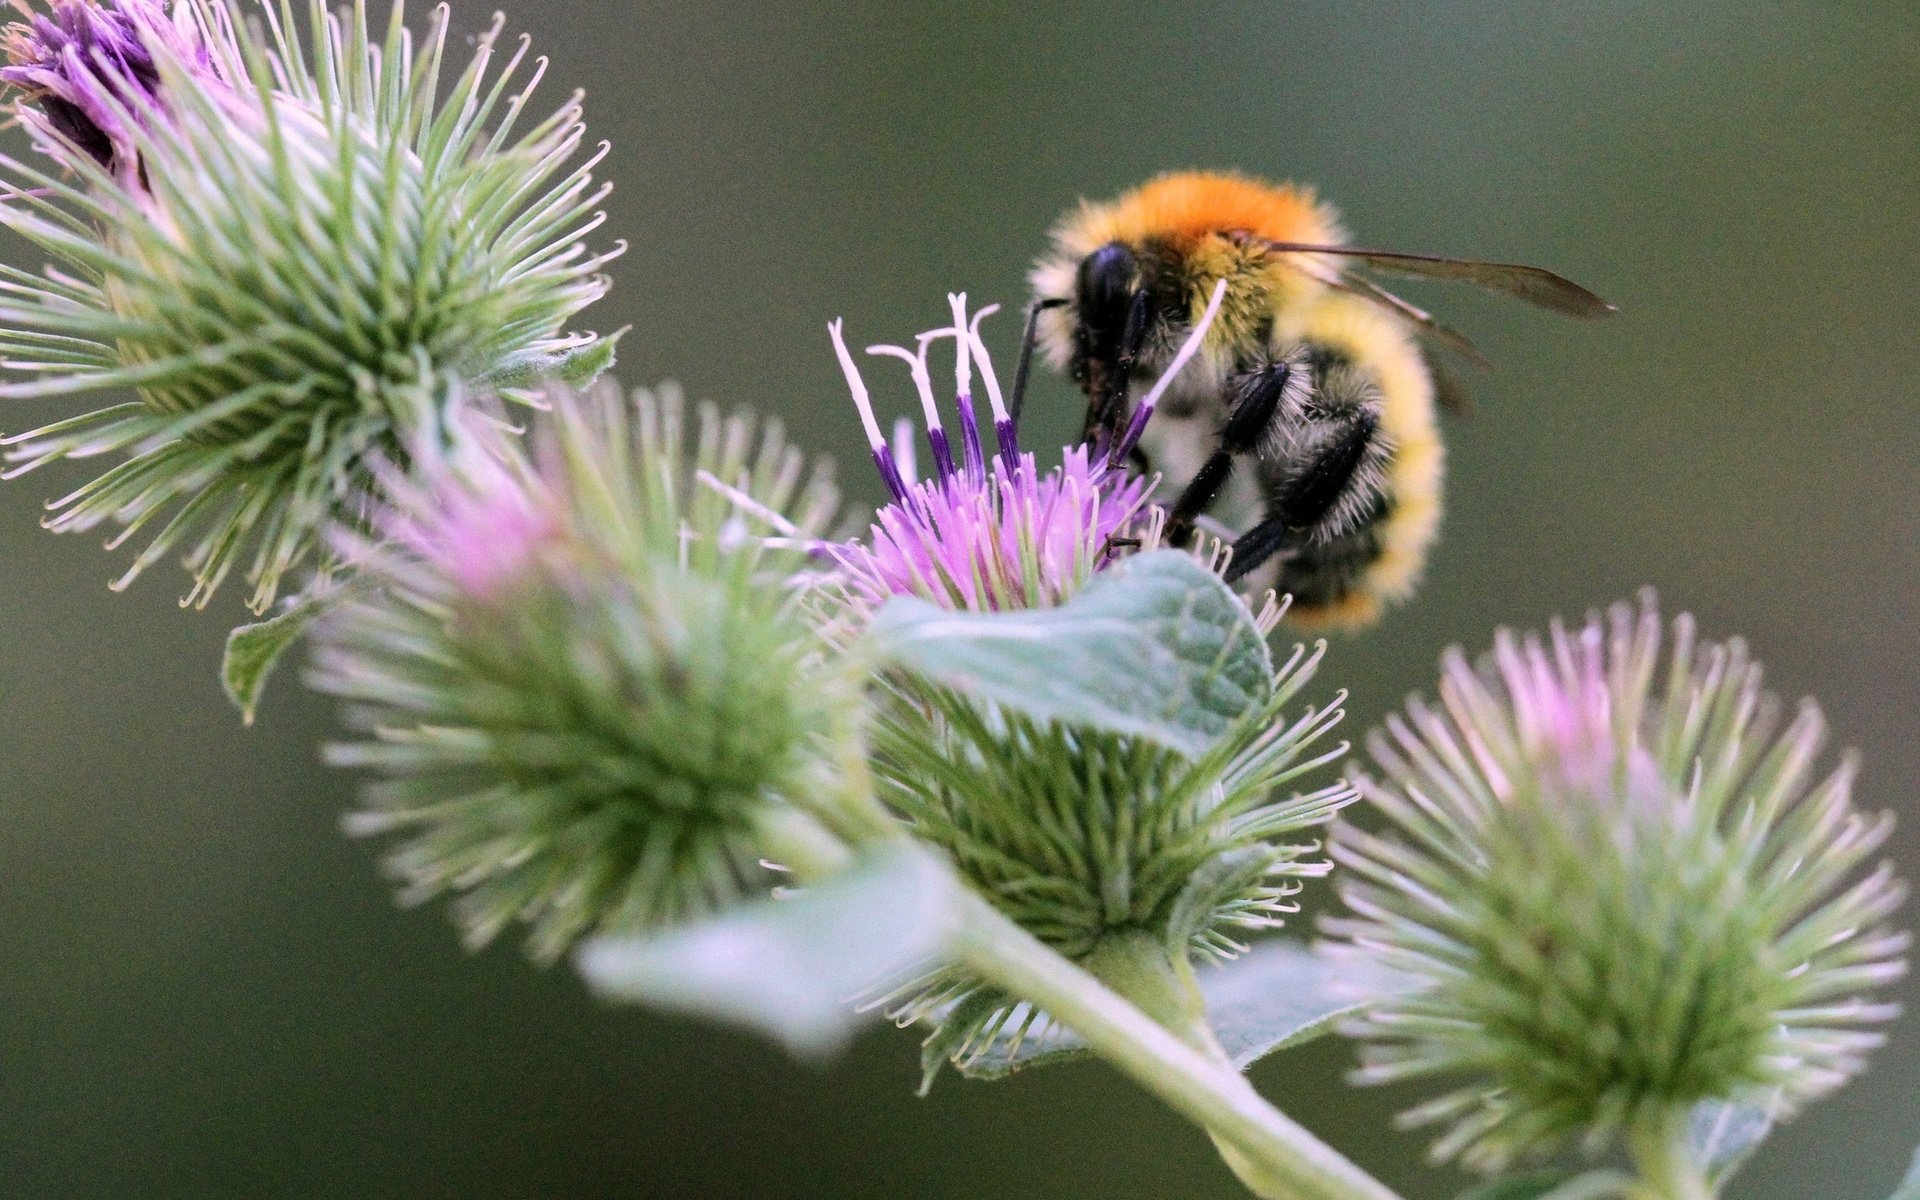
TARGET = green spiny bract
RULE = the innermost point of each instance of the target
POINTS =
(1094, 841)
(1608, 904)
(585, 686)
(298, 257)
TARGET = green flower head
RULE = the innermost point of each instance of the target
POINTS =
(585, 684)
(1125, 853)
(294, 248)
(1609, 897)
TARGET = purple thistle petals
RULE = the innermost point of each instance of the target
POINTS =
(882, 457)
(1119, 451)
(916, 361)
(942, 453)
(975, 457)
(890, 472)
(86, 68)
(990, 536)
(1020, 540)
(1004, 433)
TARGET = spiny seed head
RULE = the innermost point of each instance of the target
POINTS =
(1611, 898)
(1084, 836)
(298, 252)
(584, 683)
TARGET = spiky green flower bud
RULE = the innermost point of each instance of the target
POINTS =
(1124, 854)
(585, 684)
(295, 255)
(1612, 898)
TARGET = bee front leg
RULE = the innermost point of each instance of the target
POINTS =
(1017, 399)
(1108, 414)
(1276, 392)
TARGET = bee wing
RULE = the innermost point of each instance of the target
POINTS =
(1450, 391)
(1444, 335)
(1535, 285)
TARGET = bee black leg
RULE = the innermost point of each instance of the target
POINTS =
(1028, 338)
(1257, 545)
(1309, 496)
(1105, 417)
(1260, 402)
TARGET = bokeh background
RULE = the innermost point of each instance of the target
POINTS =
(205, 990)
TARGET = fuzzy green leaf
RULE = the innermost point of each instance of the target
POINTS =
(1723, 1134)
(1157, 648)
(789, 968)
(254, 650)
(576, 367)
(1277, 995)
(1910, 1186)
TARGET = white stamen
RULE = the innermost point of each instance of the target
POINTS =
(1188, 348)
(903, 449)
(917, 364)
(854, 384)
(747, 503)
(986, 364)
(962, 363)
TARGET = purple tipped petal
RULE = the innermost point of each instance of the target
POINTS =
(889, 472)
(942, 453)
(976, 458)
(1009, 442)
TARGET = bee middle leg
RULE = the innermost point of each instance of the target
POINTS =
(1261, 401)
(1309, 496)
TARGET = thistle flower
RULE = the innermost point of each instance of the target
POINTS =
(1612, 901)
(991, 536)
(585, 685)
(1080, 835)
(298, 262)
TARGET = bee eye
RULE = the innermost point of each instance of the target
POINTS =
(1104, 293)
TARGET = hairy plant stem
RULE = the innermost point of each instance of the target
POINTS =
(1157, 1032)
(1276, 1157)
(1666, 1166)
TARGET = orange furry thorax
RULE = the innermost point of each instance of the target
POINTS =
(1184, 206)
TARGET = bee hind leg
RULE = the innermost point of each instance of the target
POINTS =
(1309, 497)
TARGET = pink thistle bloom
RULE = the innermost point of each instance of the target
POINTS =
(471, 520)
(989, 536)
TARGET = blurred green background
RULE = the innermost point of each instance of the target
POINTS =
(206, 989)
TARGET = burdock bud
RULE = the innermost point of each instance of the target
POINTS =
(585, 685)
(1612, 898)
(295, 247)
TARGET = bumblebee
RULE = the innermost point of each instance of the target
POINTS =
(1304, 431)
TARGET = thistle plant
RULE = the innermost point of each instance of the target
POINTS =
(1609, 898)
(586, 691)
(297, 255)
(1000, 763)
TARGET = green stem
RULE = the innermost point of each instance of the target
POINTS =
(1666, 1166)
(1279, 1158)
